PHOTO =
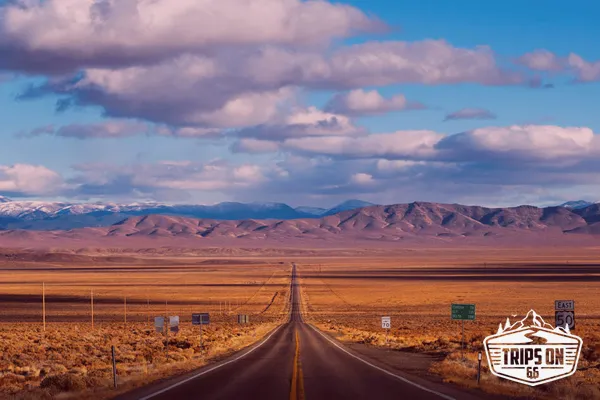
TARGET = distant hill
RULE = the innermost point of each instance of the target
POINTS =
(347, 205)
(406, 223)
(311, 210)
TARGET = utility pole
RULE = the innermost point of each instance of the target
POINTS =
(167, 331)
(125, 307)
(114, 367)
(92, 305)
(462, 345)
(44, 305)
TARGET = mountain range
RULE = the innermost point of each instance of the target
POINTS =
(409, 223)
(36, 215)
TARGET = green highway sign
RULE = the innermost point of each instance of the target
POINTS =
(463, 311)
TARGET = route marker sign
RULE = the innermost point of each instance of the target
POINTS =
(243, 319)
(386, 322)
(564, 313)
(566, 305)
(201, 319)
(463, 312)
(159, 324)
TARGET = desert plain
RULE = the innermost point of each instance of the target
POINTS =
(345, 292)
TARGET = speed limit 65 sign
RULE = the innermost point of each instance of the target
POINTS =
(563, 318)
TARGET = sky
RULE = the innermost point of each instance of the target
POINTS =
(303, 102)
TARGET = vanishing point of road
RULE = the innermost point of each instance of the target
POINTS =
(296, 361)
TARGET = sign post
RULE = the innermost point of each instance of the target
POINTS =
(159, 326)
(478, 368)
(114, 367)
(386, 323)
(463, 312)
(564, 314)
(201, 319)
(44, 304)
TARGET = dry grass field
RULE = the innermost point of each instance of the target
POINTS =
(343, 293)
(348, 296)
(74, 359)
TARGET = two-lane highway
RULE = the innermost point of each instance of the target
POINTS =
(295, 362)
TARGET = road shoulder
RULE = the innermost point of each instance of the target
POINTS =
(164, 384)
(412, 366)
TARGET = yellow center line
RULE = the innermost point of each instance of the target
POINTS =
(297, 389)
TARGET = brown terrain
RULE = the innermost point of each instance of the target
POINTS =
(375, 226)
(409, 262)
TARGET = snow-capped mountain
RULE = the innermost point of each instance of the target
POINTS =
(64, 215)
(576, 204)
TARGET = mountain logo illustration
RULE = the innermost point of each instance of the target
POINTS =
(532, 352)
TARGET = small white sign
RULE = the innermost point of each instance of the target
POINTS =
(564, 305)
(174, 323)
(386, 322)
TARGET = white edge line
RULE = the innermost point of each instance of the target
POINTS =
(210, 369)
(381, 369)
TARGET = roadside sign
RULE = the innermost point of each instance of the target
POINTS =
(463, 312)
(243, 319)
(564, 305)
(174, 323)
(159, 324)
(386, 322)
(564, 313)
(563, 318)
(200, 319)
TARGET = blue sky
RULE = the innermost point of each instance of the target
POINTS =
(128, 167)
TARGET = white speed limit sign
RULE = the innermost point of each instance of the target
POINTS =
(563, 318)
(386, 322)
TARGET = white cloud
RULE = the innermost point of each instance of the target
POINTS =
(402, 144)
(361, 102)
(58, 35)
(585, 71)
(544, 60)
(521, 143)
(298, 123)
(114, 129)
(26, 179)
(428, 62)
(361, 178)
(233, 87)
(177, 179)
(541, 60)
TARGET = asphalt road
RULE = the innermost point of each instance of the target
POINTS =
(296, 362)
